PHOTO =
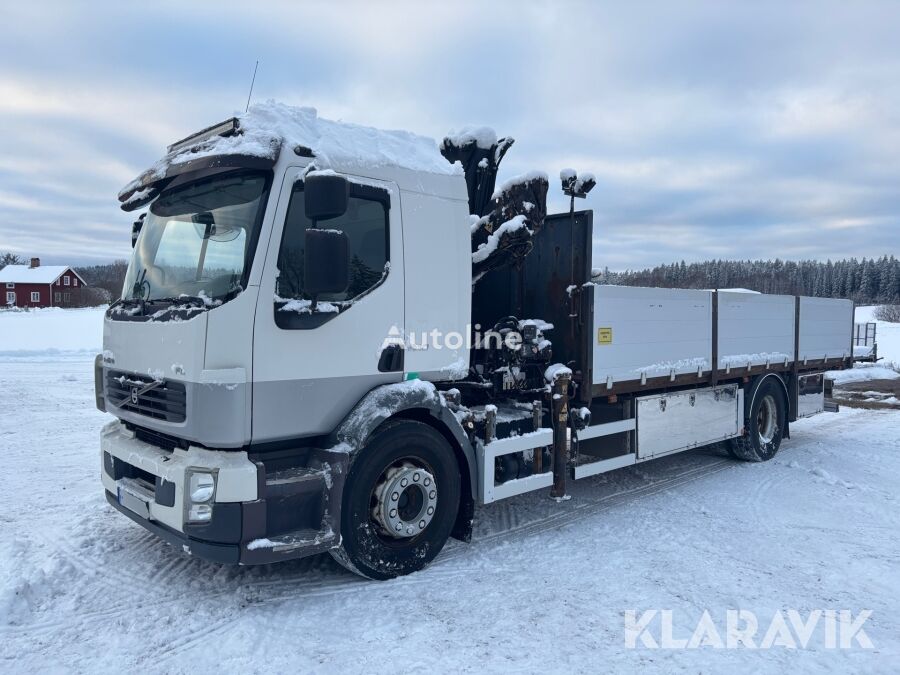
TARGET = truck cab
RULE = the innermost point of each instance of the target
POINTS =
(216, 355)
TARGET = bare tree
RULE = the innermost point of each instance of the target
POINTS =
(888, 313)
(109, 278)
(9, 259)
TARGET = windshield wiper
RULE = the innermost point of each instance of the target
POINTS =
(126, 302)
(187, 302)
(198, 301)
(138, 293)
(185, 299)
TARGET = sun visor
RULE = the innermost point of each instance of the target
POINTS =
(143, 189)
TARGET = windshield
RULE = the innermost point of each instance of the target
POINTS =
(196, 240)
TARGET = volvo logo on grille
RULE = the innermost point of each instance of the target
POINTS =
(134, 395)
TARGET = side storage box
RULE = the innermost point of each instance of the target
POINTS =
(668, 423)
(811, 395)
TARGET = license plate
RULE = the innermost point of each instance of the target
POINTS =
(133, 502)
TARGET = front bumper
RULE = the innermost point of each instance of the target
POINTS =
(259, 515)
(208, 550)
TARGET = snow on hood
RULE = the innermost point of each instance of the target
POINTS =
(267, 127)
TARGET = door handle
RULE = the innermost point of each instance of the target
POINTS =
(391, 359)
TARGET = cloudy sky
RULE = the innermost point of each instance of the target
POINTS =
(725, 130)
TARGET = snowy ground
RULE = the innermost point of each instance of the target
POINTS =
(873, 385)
(542, 587)
(51, 331)
(887, 336)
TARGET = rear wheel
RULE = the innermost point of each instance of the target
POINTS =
(400, 501)
(764, 427)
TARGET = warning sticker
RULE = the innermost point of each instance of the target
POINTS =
(604, 336)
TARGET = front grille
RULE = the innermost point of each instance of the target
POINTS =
(157, 438)
(166, 401)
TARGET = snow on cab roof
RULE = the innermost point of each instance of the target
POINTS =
(267, 128)
(25, 274)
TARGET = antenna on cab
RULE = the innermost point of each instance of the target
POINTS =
(252, 80)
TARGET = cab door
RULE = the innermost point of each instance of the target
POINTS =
(310, 367)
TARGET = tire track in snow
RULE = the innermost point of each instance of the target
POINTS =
(277, 590)
(335, 582)
(327, 586)
(179, 562)
(440, 571)
(182, 644)
(760, 518)
(339, 586)
(69, 550)
(591, 507)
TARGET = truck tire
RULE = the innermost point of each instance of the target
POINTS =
(400, 501)
(763, 427)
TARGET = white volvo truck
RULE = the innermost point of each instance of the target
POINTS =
(318, 348)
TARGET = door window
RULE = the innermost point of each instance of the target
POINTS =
(366, 225)
(10, 298)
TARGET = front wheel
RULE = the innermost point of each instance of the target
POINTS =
(400, 501)
(764, 427)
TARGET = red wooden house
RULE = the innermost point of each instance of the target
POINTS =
(35, 285)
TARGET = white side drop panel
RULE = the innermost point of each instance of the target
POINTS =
(650, 332)
(825, 328)
(755, 329)
(668, 423)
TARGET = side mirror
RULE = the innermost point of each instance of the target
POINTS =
(136, 228)
(325, 196)
(326, 262)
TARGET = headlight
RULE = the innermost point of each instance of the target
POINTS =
(201, 490)
(201, 487)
